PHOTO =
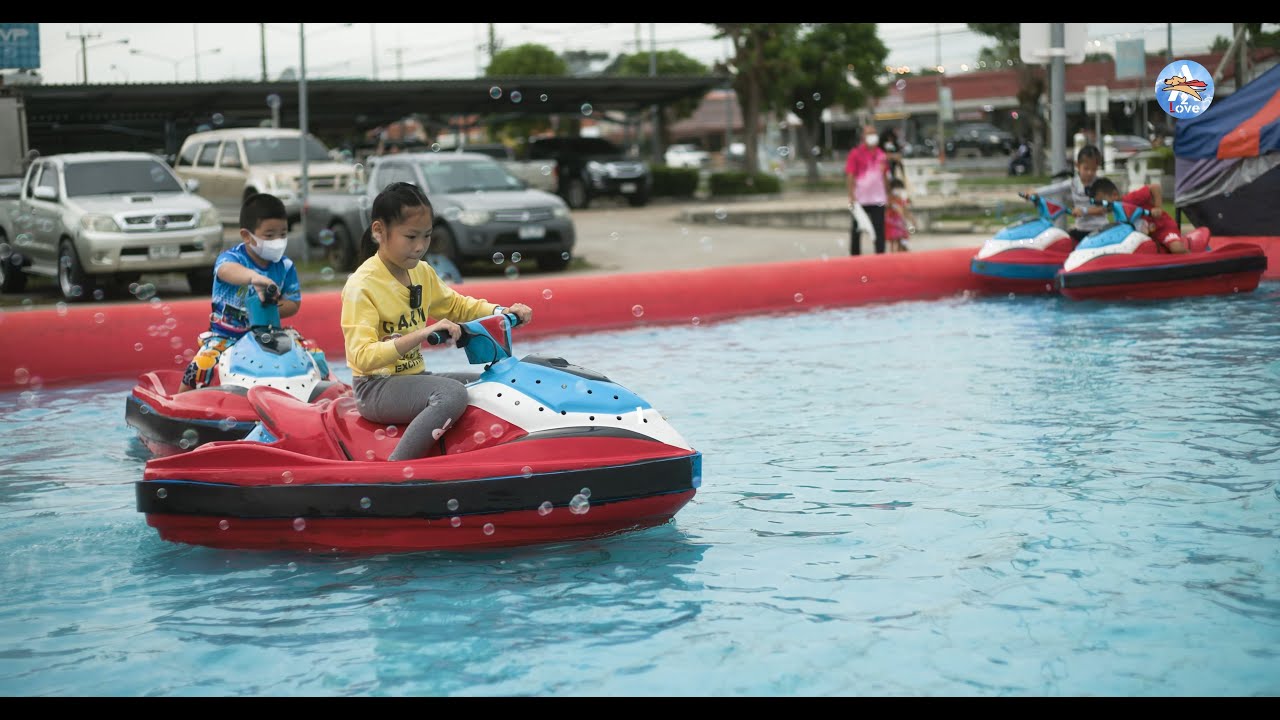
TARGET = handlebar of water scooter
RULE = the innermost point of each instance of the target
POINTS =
(1113, 204)
(440, 337)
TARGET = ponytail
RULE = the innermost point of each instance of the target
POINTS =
(367, 248)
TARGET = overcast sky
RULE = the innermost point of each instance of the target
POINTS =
(159, 52)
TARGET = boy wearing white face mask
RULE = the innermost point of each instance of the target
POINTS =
(254, 265)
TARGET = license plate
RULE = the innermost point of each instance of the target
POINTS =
(531, 232)
(163, 252)
(628, 187)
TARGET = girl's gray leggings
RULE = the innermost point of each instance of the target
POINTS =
(418, 403)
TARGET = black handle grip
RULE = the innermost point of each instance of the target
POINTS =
(439, 337)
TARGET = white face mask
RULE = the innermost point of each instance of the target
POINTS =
(900, 194)
(872, 139)
(270, 250)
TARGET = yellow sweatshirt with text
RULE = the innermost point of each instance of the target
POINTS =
(375, 311)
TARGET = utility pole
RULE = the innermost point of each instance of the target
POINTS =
(84, 37)
(195, 36)
(373, 48)
(399, 51)
(262, 41)
(493, 44)
(1057, 86)
(1168, 54)
(653, 72)
(302, 138)
(942, 142)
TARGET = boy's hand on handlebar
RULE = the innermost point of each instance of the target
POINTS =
(445, 327)
(266, 287)
(522, 311)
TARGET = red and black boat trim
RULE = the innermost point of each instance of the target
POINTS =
(420, 499)
(1162, 273)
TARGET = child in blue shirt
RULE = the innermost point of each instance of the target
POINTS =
(254, 265)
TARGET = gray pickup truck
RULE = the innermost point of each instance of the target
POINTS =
(97, 221)
(481, 209)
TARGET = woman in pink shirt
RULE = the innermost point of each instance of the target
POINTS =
(866, 168)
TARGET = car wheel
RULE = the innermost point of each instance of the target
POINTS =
(12, 279)
(444, 244)
(75, 284)
(552, 262)
(341, 253)
(575, 193)
(200, 280)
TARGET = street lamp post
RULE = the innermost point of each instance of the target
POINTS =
(176, 63)
(83, 53)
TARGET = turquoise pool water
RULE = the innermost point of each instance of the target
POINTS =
(966, 497)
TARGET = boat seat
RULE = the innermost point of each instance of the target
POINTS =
(359, 438)
(1197, 240)
(296, 424)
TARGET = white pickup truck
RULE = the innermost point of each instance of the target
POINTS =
(97, 221)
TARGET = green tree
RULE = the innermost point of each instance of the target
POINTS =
(759, 60)
(827, 64)
(522, 61)
(667, 62)
(1031, 83)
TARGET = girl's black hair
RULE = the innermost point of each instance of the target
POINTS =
(389, 207)
(896, 183)
(1089, 152)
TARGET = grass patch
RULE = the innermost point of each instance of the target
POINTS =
(1002, 180)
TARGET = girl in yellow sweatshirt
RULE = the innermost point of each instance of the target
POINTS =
(385, 306)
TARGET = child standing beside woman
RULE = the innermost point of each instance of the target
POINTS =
(385, 306)
(898, 218)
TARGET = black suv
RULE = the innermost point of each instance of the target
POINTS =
(594, 167)
(983, 138)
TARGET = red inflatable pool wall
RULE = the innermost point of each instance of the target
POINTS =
(98, 341)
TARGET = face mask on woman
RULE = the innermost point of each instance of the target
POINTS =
(873, 139)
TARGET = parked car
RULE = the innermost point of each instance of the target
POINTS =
(497, 151)
(539, 174)
(480, 209)
(100, 220)
(235, 163)
(1126, 146)
(979, 138)
(686, 156)
(923, 148)
(594, 167)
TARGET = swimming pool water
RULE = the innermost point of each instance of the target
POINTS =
(994, 496)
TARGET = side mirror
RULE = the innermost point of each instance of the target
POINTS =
(43, 192)
(192, 184)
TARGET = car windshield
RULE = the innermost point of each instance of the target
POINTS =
(283, 150)
(467, 176)
(119, 177)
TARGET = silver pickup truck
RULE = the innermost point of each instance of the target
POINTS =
(97, 221)
(481, 209)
